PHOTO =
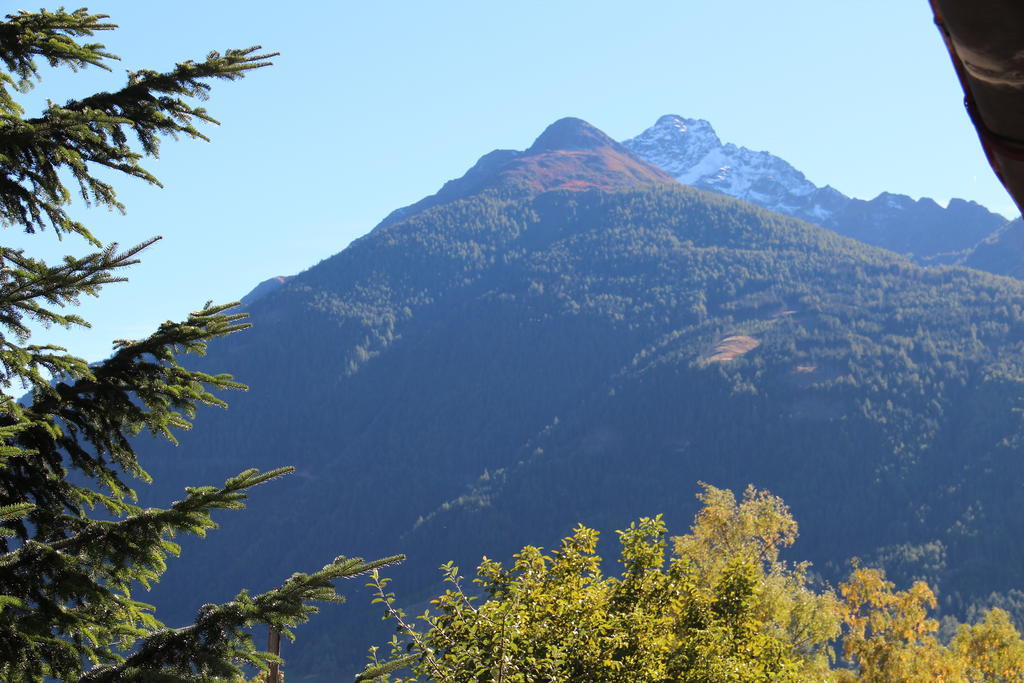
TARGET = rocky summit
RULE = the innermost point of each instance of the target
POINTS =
(570, 154)
(691, 152)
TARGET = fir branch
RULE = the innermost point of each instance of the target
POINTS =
(25, 36)
(51, 36)
(13, 511)
(216, 644)
(26, 284)
(102, 561)
(95, 131)
(87, 424)
(66, 577)
(377, 669)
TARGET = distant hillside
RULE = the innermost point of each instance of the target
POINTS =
(690, 151)
(490, 368)
(264, 288)
(1001, 253)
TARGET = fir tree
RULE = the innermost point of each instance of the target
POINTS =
(74, 544)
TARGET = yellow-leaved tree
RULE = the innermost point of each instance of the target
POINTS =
(722, 607)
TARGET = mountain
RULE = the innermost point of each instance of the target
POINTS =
(690, 151)
(1001, 253)
(570, 154)
(264, 288)
(568, 336)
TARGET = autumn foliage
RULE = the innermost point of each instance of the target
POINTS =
(722, 607)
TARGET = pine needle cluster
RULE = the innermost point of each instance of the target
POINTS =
(75, 546)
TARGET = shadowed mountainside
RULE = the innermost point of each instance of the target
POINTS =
(489, 370)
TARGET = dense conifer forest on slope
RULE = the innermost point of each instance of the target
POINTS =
(490, 372)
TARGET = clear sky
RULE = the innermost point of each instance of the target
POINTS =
(373, 105)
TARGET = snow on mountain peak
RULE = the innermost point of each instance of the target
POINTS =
(674, 143)
(691, 152)
(695, 128)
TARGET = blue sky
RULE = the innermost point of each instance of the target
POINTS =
(373, 105)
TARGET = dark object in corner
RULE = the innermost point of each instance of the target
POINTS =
(985, 39)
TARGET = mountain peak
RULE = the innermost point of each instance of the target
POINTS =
(689, 150)
(676, 144)
(570, 154)
(673, 124)
(570, 133)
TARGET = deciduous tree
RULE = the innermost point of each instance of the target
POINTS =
(725, 607)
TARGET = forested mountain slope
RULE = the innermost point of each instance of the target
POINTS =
(489, 369)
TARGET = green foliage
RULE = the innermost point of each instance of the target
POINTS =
(74, 543)
(217, 644)
(92, 131)
(723, 608)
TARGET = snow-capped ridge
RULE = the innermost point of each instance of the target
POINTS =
(675, 144)
(691, 152)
